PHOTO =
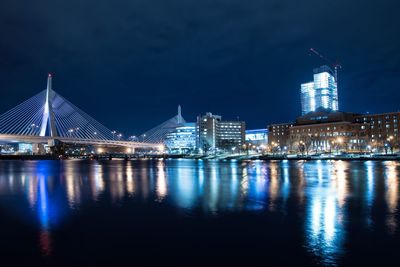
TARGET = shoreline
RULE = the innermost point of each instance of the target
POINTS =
(237, 158)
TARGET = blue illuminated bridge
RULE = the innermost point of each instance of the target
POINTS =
(48, 116)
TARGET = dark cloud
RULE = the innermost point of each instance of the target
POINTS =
(130, 63)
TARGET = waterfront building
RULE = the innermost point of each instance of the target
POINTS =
(257, 137)
(213, 134)
(182, 139)
(25, 148)
(8, 149)
(382, 129)
(278, 136)
(230, 135)
(321, 93)
(206, 132)
(328, 131)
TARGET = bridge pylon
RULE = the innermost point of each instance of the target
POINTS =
(48, 113)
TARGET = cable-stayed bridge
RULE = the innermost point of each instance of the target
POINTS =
(47, 117)
(158, 133)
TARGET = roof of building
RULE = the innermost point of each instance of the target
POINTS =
(322, 115)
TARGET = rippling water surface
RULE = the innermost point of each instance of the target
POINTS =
(188, 212)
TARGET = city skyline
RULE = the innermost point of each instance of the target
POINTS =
(205, 133)
(136, 70)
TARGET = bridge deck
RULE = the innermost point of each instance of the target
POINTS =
(44, 139)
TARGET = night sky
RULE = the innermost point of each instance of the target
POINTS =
(130, 63)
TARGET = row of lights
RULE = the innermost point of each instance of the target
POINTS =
(160, 148)
(340, 141)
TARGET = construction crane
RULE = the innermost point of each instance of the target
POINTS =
(336, 66)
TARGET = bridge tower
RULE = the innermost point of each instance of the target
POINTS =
(48, 114)
(179, 118)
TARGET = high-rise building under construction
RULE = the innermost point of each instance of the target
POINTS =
(321, 93)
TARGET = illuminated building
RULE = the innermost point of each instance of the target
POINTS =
(382, 130)
(320, 131)
(213, 134)
(321, 93)
(257, 136)
(307, 97)
(278, 135)
(182, 139)
(230, 134)
(206, 132)
(25, 148)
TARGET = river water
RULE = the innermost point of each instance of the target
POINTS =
(194, 212)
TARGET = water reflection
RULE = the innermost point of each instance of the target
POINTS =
(44, 212)
(326, 211)
(370, 183)
(392, 197)
(318, 194)
(73, 184)
(184, 185)
(97, 183)
(162, 189)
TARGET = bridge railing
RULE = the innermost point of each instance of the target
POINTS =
(45, 139)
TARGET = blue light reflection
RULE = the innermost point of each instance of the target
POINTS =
(321, 195)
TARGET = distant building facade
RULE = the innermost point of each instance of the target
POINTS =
(324, 131)
(382, 129)
(206, 132)
(278, 136)
(321, 93)
(230, 134)
(257, 136)
(213, 134)
(182, 139)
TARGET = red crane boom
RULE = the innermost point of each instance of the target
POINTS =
(335, 65)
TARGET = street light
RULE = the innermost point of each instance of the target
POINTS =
(339, 141)
(389, 144)
(161, 148)
(332, 145)
(301, 146)
(386, 148)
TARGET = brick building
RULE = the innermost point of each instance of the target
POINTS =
(327, 131)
